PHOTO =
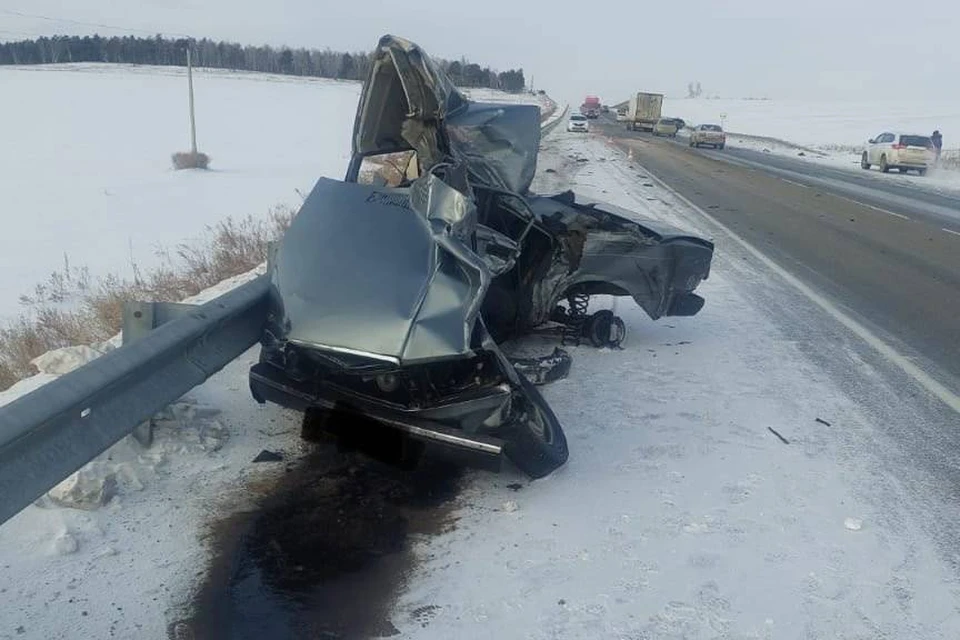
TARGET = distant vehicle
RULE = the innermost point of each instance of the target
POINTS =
(711, 134)
(901, 151)
(621, 114)
(666, 127)
(643, 112)
(590, 107)
(604, 109)
(578, 122)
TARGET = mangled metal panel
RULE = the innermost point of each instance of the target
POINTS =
(391, 283)
(410, 104)
(499, 143)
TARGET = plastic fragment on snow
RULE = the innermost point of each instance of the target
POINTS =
(853, 524)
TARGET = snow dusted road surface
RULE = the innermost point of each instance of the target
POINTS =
(681, 514)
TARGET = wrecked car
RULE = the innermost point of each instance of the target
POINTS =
(392, 289)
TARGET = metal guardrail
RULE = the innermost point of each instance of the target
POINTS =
(52, 431)
(545, 129)
(49, 433)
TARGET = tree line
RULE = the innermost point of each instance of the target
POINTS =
(228, 55)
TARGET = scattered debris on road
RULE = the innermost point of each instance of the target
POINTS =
(268, 456)
(853, 524)
(776, 433)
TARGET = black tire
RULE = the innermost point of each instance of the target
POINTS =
(691, 143)
(884, 167)
(721, 146)
(536, 454)
(863, 162)
(922, 172)
(902, 170)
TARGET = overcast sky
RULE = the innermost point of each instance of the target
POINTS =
(855, 49)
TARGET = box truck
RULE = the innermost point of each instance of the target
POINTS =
(644, 111)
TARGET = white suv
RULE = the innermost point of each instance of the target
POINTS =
(901, 151)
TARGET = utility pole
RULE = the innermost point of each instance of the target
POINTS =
(193, 124)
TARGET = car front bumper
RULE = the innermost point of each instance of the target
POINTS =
(429, 425)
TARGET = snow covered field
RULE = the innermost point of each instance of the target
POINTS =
(87, 170)
(831, 133)
(814, 123)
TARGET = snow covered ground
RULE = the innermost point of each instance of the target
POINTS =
(113, 549)
(681, 514)
(831, 133)
(87, 170)
(116, 548)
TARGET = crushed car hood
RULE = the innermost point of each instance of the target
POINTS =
(379, 273)
(408, 103)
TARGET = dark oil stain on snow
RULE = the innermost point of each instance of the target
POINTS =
(326, 553)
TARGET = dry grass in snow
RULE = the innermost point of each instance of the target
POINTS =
(72, 308)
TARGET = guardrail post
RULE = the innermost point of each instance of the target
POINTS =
(139, 319)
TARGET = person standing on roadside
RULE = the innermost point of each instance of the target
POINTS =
(937, 143)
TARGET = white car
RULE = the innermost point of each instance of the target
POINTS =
(711, 134)
(578, 122)
(901, 151)
(621, 114)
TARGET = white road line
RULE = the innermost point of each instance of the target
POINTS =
(799, 184)
(956, 233)
(870, 206)
(925, 380)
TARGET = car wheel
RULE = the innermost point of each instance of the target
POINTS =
(922, 172)
(884, 167)
(863, 161)
(535, 442)
(604, 329)
(902, 170)
(721, 146)
(691, 143)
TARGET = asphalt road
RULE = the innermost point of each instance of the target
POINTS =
(887, 253)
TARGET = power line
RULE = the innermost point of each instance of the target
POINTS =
(90, 24)
(21, 33)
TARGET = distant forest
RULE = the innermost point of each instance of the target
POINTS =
(227, 55)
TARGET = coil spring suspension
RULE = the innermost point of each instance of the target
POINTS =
(576, 317)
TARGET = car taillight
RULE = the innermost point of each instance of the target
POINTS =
(899, 146)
